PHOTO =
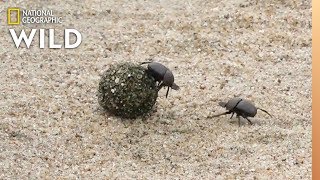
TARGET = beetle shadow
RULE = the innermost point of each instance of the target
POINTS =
(98, 110)
(244, 122)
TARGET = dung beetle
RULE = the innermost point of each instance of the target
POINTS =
(162, 75)
(241, 107)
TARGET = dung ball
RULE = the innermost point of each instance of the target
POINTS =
(127, 90)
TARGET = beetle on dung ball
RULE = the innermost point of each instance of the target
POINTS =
(162, 75)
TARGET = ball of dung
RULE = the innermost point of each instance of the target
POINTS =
(127, 90)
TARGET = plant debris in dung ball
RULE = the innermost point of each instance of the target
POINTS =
(127, 90)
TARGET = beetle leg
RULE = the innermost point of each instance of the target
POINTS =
(167, 92)
(228, 112)
(248, 120)
(264, 111)
(232, 115)
(238, 119)
(157, 86)
(146, 62)
(160, 85)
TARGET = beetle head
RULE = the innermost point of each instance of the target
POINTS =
(222, 104)
(175, 86)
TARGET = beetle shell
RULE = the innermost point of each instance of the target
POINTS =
(168, 78)
(246, 108)
(231, 104)
(240, 106)
(157, 70)
(162, 73)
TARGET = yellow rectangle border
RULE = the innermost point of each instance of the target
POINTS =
(9, 16)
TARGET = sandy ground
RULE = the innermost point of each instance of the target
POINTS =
(52, 127)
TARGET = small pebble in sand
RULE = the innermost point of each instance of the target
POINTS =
(202, 86)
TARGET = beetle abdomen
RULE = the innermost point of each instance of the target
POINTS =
(246, 108)
(157, 70)
(168, 78)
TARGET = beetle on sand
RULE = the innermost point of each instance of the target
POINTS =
(161, 74)
(240, 107)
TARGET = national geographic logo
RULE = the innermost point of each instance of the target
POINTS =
(34, 16)
(13, 15)
(17, 16)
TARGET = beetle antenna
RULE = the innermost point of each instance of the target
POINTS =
(264, 111)
(167, 92)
